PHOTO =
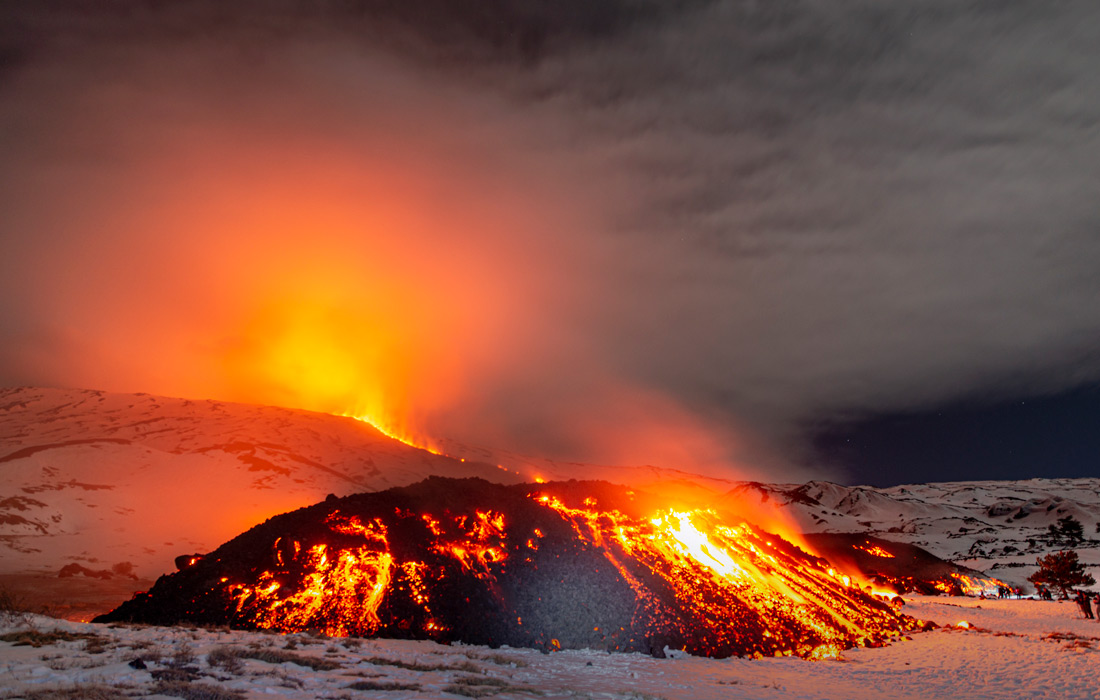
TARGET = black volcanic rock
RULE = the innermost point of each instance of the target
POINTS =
(559, 565)
(904, 567)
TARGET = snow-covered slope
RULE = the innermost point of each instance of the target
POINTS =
(994, 526)
(130, 481)
(1013, 649)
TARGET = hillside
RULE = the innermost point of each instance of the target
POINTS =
(130, 481)
(994, 526)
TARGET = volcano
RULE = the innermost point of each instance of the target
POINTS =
(552, 566)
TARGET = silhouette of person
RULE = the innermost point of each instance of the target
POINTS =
(1085, 603)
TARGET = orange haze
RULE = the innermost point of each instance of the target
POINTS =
(351, 238)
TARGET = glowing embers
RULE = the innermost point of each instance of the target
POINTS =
(873, 550)
(475, 542)
(337, 591)
(729, 588)
(339, 586)
(418, 591)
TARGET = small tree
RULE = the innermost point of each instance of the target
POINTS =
(1069, 531)
(1072, 529)
(1061, 569)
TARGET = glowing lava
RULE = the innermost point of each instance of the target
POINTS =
(961, 584)
(734, 578)
(874, 550)
(552, 566)
(392, 432)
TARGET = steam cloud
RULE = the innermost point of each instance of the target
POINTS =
(608, 232)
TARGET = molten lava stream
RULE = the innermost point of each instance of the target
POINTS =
(426, 561)
(732, 579)
(338, 592)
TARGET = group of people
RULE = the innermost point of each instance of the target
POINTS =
(1002, 592)
(1084, 601)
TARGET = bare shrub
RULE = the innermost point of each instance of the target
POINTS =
(288, 681)
(278, 656)
(79, 691)
(182, 656)
(468, 666)
(173, 675)
(37, 638)
(196, 691)
(62, 662)
(500, 660)
(13, 609)
(383, 685)
(225, 659)
(151, 654)
(482, 686)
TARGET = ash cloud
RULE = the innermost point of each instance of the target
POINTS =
(710, 225)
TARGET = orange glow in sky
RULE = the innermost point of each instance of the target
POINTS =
(435, 277)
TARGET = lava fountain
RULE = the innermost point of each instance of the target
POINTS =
(552, 566)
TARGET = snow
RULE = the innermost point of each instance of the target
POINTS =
(998, 527)
(1009, 652)
(84, 472)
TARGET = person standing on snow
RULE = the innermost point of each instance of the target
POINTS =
(1085, 603)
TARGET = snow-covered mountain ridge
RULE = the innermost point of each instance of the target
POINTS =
(994, 526)
(105, 479)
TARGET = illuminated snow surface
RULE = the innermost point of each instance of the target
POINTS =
(1014, 649)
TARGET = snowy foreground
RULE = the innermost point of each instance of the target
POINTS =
(1014, 649)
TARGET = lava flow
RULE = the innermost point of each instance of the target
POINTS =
(551, 566)
(963, 584)
(389, 431)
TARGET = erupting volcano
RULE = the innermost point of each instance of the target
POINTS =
(552, 566)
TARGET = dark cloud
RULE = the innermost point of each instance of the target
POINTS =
(859, 205)
(439, 31)
(744, 216)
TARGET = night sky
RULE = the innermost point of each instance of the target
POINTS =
(1023, 438)
(841, 239)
